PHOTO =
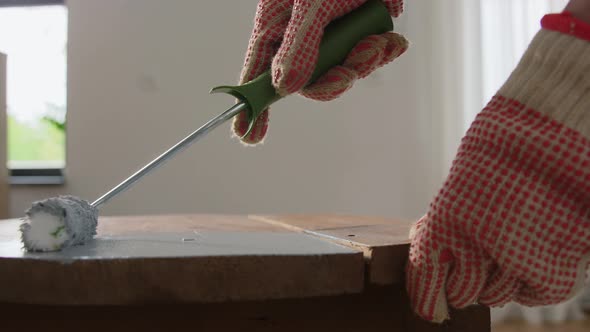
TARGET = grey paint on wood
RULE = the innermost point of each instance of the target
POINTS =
(161, 245)
(123, 266)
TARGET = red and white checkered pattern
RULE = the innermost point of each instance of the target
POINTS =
(512, 221)
(286, 38)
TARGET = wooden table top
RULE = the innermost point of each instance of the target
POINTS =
(207, 259)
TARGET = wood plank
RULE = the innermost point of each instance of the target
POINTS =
(376, 309)
(181, 223)
(158, 299)
(145, 260)
(384, 242)
(304, 222)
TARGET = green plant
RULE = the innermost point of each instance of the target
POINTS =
(44, 141)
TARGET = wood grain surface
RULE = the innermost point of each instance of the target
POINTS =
(257, 273)
(384, 242)
(377, 309)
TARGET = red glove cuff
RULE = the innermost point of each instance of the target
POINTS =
(567, 24)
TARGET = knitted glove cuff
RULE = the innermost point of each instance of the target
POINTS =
(553, 78)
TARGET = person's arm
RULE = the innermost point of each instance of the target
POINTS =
(512, 221)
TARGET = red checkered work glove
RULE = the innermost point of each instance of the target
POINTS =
(287, 35)
(512, 221)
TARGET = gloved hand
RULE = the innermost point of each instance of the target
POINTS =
(287, 33)
(512, 221)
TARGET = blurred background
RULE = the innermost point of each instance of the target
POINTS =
(95, 89)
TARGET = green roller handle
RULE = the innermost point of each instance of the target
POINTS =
(340, 37)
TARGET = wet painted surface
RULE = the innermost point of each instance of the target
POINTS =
(187, 244)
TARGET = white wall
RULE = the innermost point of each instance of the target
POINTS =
(139, 72)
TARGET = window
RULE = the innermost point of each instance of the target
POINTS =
(33, 35)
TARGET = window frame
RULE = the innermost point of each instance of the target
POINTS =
(35, 176)
(29, 3)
